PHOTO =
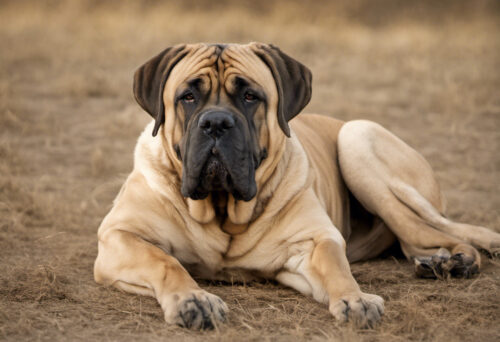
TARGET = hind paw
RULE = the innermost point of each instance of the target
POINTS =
(443, 265)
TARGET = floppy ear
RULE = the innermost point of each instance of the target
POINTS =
(150, 79)
(293, 81)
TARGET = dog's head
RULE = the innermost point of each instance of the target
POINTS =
(220, 109)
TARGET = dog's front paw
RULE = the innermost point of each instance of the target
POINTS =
(196, 309)
(362, 309)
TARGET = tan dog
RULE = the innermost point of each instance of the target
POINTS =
(220, 190)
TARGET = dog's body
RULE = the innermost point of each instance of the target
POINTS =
(284, 217)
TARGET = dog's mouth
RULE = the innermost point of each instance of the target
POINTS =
(215, 176)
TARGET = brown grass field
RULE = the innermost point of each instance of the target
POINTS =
(427, 70)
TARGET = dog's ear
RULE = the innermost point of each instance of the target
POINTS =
(293, 81)
(150, 79)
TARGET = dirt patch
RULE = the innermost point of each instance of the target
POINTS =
(69, 124)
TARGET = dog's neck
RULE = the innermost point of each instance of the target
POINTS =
(220, 201)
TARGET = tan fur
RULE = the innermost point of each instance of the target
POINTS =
(294, 230)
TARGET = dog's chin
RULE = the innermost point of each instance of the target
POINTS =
(215, 177)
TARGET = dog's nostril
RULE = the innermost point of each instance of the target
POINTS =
(204, 123)
(228, 122)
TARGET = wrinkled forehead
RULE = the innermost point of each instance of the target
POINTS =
(242, 60)
(219, 64)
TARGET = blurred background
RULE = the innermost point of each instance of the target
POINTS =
(427, 70)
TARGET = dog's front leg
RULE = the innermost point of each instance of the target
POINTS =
(320, 269)
(346, 301)
(132, 264)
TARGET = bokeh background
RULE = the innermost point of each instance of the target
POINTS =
(427, 70)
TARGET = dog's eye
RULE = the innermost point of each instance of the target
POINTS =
(249, 97)
(189, 98)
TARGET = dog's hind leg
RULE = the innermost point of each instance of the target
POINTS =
(395, 183)
(478, 236)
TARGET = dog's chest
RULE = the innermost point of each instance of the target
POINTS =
(215, 254)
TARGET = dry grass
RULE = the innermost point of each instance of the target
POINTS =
(68, 126)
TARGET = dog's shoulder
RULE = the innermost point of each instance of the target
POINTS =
(144, 197)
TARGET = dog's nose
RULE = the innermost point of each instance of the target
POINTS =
(216, 124)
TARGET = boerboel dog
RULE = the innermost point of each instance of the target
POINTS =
(226, 187)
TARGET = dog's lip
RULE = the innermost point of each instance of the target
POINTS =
(215, 169)
(221, 181)
(227, 184)
(214, 176)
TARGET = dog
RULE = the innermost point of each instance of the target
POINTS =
(227, 187)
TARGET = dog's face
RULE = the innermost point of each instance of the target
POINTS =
(218, 105)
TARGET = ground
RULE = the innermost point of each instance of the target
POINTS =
(68, 125)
